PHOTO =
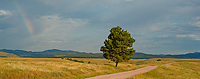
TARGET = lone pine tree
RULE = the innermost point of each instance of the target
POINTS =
(119, 46)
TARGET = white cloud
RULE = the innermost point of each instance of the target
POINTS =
(197, 18)
(194, 37)
(128, 0)
(155, 28)
(3, 12)
(181, 36)
(55, 30)
(197, 24)
(163, 36)
(55, 41)
(55, 24)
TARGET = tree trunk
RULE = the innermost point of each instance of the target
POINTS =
(116, 64)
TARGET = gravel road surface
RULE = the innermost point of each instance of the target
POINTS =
(123, 75)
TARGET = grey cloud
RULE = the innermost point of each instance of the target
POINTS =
(84, 24)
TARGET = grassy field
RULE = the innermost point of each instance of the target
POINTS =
(51, 68)
(182, 69)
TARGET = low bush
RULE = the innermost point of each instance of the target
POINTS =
(159, 60)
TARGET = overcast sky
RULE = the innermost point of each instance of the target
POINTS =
(158, 26)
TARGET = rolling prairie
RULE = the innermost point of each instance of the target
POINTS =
(51, 68)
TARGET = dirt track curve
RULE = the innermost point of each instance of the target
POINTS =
(123, 75)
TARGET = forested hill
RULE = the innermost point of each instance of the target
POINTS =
(55, 53)
(188, 55)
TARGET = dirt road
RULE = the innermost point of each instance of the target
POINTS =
(123, 75)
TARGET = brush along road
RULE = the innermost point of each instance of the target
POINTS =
(123, 75)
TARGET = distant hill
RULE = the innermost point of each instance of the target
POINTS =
(42, 54)
(195, 55)
(55, 53)
(8, 55)
(191, 55)
(139, 55)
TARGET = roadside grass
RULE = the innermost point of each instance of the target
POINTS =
(182, 69)
(51, 68)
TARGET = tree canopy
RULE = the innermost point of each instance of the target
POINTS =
(119, 46)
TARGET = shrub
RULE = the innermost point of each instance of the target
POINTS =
(159, 60)
(81, 61)
(69, 58)
(88, 62)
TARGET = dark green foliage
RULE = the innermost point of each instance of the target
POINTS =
(81, 61)
(75, 60)
(159, 60)
(69, 58)
(118, 46)
(62, 58)
(88, 62)
(78, 55)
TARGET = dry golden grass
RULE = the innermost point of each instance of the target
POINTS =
(8, 55)
(15, 68)
(182, 69)
(51, 68)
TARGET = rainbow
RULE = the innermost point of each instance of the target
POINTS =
(26, 21)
